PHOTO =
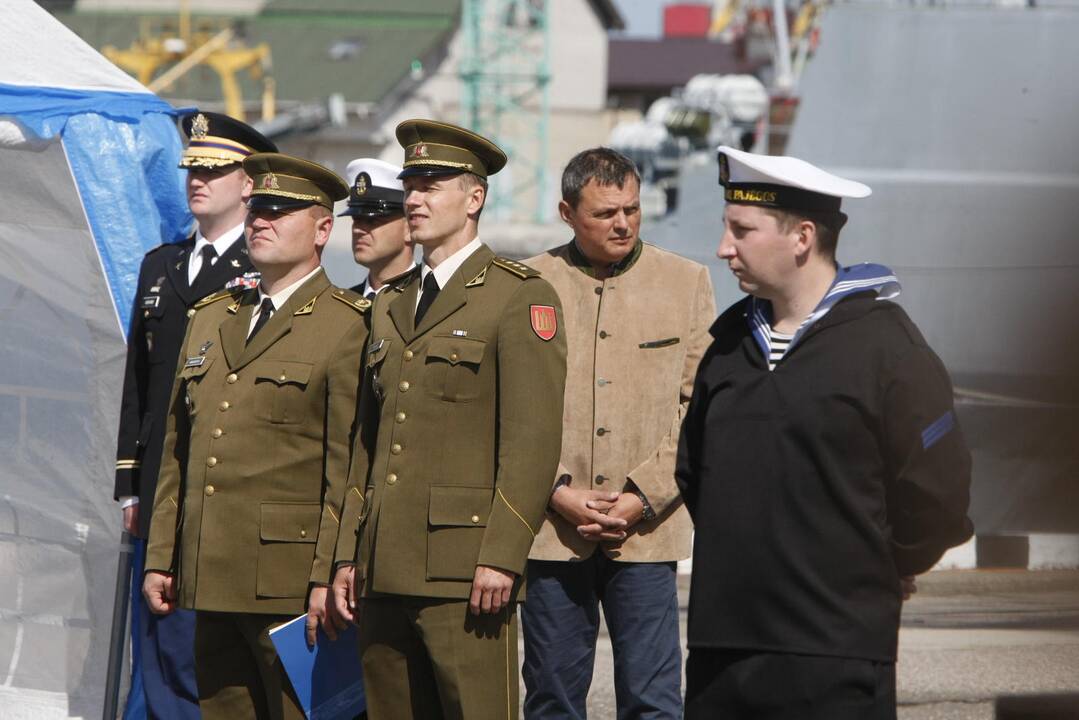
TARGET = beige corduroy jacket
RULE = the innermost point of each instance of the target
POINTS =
(634, 342)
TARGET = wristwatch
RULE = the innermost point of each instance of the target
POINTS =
(648, 513)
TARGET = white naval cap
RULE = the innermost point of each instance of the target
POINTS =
(374, 190)
(782, 182)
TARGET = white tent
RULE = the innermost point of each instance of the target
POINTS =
(88, 183)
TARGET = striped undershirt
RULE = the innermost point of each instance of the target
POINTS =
(777, 346)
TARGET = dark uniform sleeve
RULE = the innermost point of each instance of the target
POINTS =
(531, 388)
(132, 402)
(687, 464)
(927, 460)
(343, 380)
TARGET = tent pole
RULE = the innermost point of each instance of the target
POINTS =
(119, 629)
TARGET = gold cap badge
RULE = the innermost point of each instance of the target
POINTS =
(362, 181)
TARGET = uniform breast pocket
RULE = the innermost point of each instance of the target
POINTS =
(280, 390)
(453, 367)
(457, 519)
(191, 376)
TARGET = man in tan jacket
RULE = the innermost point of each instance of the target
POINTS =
(637, 321)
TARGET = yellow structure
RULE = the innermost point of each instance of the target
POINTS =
(184, 49)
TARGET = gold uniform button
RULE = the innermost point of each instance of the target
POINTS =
(453, 357)
(401, 417)
(209, 490)
(231, 378)
(409, 355)
(403, 386)
(303, 533)
(396, 449)
(218, 432)
(191, 313)
(146, 313)
(283, 377)
(391, 479)
(224, 405)
(475, 518)
(211, 461)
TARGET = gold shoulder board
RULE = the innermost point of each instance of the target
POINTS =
(219, 295)
(353, 299)
(515, 268)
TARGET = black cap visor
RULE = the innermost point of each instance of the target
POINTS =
(373, 210)
(430, 171)
(276, 203)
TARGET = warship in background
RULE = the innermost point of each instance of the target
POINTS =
(958, 115)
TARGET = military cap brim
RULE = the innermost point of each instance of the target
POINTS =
(284, 182)
(218, 141)
(373, 210)
(435, 149)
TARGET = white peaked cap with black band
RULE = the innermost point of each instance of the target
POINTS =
(374, 190)
(782, 182)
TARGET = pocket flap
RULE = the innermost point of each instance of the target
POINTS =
(290, 522)
(195, 366)
(456, 506)
(455, 349)
(667, 342)
(282, 372)
(376, 352)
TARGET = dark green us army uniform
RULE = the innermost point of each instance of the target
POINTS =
(461, 433)
(253, 477)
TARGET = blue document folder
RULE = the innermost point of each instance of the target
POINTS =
(327, 678)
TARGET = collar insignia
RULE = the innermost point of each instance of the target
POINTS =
(205, 346)
(235, 263)
(200, 127)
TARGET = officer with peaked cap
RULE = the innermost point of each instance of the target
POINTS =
(461, 413)
(379, 233)
(172, 278)
(821, 461)
(257, 447)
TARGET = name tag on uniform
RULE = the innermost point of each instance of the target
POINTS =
(194, 361)
(460, 333)
(150, 301)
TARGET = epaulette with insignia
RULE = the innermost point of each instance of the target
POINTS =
(219, 295)
(353, 299)
(512, 266)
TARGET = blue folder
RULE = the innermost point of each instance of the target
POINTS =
(327, 678)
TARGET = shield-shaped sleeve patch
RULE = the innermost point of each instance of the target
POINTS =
(544, 321)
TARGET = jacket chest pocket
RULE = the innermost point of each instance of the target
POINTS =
(453, 367)
(457, 520)
(280, 387)
(191, 377)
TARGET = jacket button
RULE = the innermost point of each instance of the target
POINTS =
(475, 518)
(391, 479)
(190, 312)
(209, 490)
(599, 291)
(146, 313)
(303, 533)
(283, 377)
(400, 417)
(600, 479)
(603, 334)
(396, 449)
(211, 461)
(231, 378)
(218, 432)
(224, 405)
(601, 432)
(453, 357)
(601, 382)
(403, 386)
(409, 355)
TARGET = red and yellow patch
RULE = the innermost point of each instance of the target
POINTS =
(544, 321)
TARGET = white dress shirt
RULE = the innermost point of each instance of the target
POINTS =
(221, 246)
(279, 298)
(447, 267)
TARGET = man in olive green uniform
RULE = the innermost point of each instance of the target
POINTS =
(461, 414)
(256, 453)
